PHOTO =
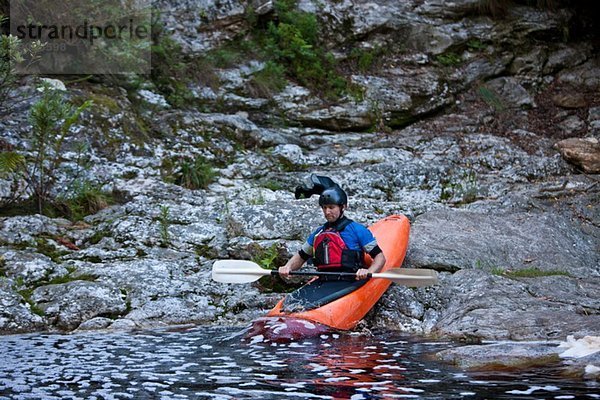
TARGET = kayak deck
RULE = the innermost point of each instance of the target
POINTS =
(318, 293)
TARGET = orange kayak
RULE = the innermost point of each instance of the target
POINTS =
(344, 313)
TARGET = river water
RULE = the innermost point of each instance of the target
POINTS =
(214, 363)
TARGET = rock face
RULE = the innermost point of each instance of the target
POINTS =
(585, 153)
(452, 240)
(477, 128)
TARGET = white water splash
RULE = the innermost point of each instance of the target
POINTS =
(547, 388)
(578, 348)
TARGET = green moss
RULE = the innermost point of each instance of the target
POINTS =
(26, 295)
(48, 249)
(532, 273)
(205, 249)
(475, 45)
(272, 185)
(449, 59)
(106, 101)
(463, 189)
(130, 174)
(27, 292)
(98, 236)
(257, 200)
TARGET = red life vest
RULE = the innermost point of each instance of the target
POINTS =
(328, 249)
(331, 252)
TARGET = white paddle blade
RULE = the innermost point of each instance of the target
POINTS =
(410, 277)
(237, 271)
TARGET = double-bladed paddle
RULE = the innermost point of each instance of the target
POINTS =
(243, 271)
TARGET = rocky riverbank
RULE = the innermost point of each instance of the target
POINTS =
(482, 130)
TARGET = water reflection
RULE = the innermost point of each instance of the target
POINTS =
(214, 363)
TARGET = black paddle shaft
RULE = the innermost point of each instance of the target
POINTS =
(317, 273)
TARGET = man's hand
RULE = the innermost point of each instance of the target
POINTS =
(293, 264)
(284, 271)
(362, 273)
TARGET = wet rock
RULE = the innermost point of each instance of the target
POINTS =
(501, 355)
(172, 311)
(581, 356)
(521, 355)
(68, 305)
(95, 323)
(476, 304)
(123, 324)
(583, 152)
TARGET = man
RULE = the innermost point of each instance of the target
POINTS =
(339, 245)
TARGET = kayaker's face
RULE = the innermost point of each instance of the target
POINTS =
(332, 212)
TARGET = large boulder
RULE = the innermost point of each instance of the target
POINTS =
(474, 304)
(456, 239)
(69, 304)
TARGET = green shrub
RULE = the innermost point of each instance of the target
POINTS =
(449, 59)
(293, 43)
(169, 70)
(194, 174)
(12, 53)
(272, 185)
(267, 258)
(269, 80)
(51, 118)
(365, 58)
(85, 198)
(475, 45)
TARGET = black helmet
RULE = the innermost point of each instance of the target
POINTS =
(333, 195)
